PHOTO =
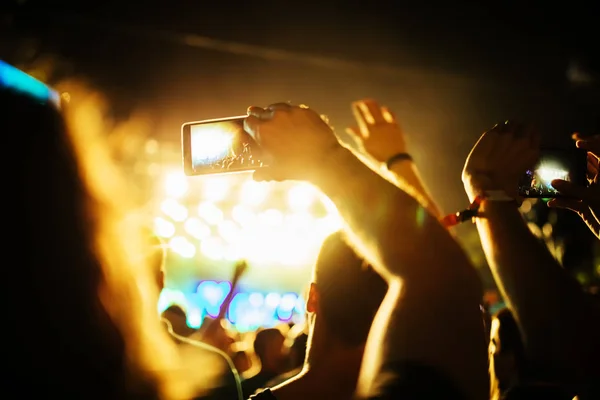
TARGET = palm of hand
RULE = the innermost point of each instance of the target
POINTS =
(377, 132)
(383, 141)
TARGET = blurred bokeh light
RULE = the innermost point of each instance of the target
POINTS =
(210, 222)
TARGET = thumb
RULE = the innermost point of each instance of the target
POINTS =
(569, 189)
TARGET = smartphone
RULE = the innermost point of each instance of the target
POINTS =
(570, 165)
(219, 146)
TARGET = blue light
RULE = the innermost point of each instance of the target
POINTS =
(248, 310)
(17, 80)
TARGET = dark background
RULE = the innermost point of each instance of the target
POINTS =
(448, 71)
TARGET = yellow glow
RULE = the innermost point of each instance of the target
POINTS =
(196, 228)
(210, 213)
(174, 210)
(271, 217)
(254, 193)
(213, 248)
(176, 184)
(243, 216)
(328, 225)
(163, 228)
(259, 228)
(215, 188)
(301, 197)
(182, 246)
(229, 231)
(329, 206)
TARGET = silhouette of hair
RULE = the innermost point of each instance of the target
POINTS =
(74, 280)
(350, 292)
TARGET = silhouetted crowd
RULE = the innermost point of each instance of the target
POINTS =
(394, 308)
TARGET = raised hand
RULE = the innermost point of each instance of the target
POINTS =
(377, 131)
(585, 201)
(499, 159)
(297, 138)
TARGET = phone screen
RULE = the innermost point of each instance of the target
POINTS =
(569, 165)
(220, 146)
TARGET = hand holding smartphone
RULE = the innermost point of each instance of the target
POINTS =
(219, 146)
(569, 165)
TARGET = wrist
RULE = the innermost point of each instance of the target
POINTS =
(482, 186)
(496, 209)
(395, 159)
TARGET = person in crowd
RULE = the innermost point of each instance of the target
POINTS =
(343, 299)
(177, 319)
(298, 351)
(428, 289)
(296, 358)
(510, 375)
(269, 349)
(242, 361)
(93, 300)
(207, 373)
(559, 320)
(507, 354)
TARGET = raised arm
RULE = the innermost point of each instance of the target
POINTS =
(551, 308)
(431, 314)
(380, 137)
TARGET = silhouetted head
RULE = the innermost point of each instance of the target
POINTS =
(269, 348)
(508, 362)
(72, 274)
(346, 293)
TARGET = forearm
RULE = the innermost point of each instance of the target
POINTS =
(428, 289)
(407, 171)
(550, 306)
(445, 335)
(389, 227)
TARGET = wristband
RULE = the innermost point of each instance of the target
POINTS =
(473, 210)
(464, 215)
(397, 157)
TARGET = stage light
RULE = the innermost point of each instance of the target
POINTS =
(301, 197)
(176, 184)
(182, 246)
(196, 228)
(174, 210)
(163, 228)
(215, 188)
(209, 212)
(253, 193)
